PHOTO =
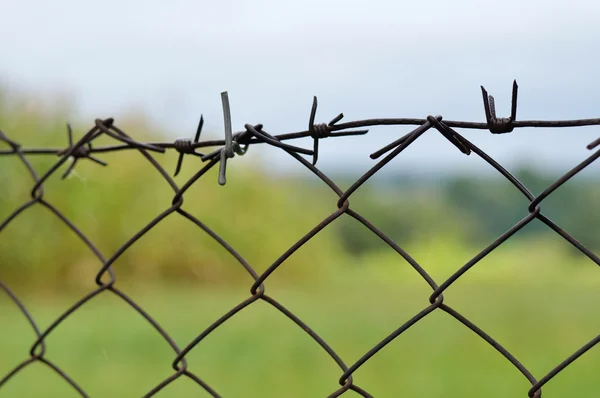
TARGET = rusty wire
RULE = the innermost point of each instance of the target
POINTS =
(238, 144)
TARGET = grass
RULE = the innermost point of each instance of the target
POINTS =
(111, 351)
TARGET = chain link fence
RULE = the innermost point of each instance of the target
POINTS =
(236, 144)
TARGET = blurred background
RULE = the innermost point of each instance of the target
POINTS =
(157, 66)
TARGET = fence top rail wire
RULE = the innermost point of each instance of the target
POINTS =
(238, 143)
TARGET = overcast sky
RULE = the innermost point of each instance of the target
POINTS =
(377, 58)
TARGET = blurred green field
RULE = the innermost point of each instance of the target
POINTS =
(112, 352)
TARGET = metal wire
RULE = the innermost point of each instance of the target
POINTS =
(253, 135)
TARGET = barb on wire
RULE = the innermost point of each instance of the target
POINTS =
(227, 152)
(322, 130)
(239, 139)
(184, 146)
(495, 124)
(232, 144)
(79, 153)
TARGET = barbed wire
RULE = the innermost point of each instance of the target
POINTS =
(238, 144)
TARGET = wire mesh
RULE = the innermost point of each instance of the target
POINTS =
(236, 145)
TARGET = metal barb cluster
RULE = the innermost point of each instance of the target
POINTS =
(500, 125)
(80, 152)
(238, 143)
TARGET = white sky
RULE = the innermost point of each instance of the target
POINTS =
(377, 58)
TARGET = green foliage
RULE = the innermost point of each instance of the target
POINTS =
(472, 209)
(494, 205)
